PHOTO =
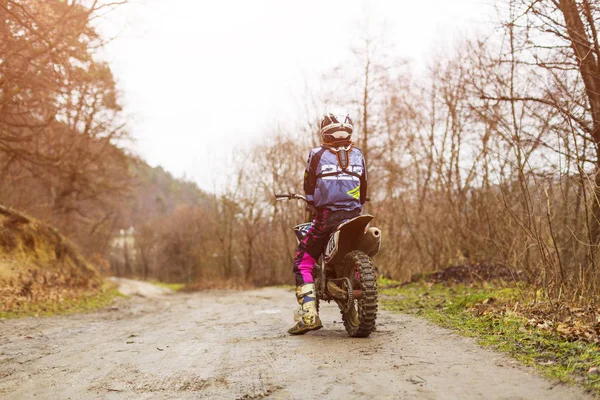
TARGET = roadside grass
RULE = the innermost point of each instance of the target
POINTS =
(485, 312)
(285, 287)
(67, 304)
(217, 283)
(176, 287)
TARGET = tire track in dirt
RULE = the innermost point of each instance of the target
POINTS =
(234, 345)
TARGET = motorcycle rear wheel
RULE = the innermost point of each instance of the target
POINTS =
(359, 320)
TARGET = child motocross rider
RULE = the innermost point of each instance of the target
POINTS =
(335, 182)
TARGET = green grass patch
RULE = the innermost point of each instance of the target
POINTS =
(285, 287)
(485, 313)
(176, 287)
(84, 302)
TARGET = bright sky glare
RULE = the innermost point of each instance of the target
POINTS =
(200, 77)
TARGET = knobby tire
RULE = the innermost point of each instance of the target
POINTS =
(365, 308)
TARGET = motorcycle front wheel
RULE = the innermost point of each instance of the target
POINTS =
(359, 319)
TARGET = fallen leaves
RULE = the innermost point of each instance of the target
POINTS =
(570, 323)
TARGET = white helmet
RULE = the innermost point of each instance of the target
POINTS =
(336, 128)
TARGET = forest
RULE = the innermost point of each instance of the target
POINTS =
(489, 155)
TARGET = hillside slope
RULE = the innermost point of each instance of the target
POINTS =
(39, 265)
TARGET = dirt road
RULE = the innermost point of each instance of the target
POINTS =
(234, 345)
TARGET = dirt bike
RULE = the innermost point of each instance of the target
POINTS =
(345, 272)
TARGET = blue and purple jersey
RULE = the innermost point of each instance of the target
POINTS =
(329, 186)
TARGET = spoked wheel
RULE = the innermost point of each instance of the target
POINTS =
(359, 320)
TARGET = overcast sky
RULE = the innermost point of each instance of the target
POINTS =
(199, 77)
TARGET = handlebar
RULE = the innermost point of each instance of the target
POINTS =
(290, 196)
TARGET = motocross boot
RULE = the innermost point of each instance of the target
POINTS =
(309, 320)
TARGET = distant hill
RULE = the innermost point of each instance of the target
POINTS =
(156, 192)
(155, 201)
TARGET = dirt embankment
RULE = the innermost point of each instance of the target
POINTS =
(234, 345)
(37, 264)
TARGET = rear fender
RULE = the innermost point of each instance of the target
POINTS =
(346, 238)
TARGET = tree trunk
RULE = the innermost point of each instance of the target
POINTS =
(587, 52)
